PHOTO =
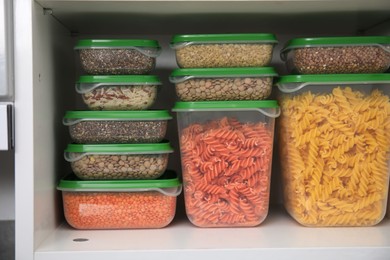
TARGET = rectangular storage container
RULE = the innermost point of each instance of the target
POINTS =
(118, 92)
(226, 155)
(112, 127)
(121, 204)
(335, 148)
(334, 55)
(117, 56)
(223, 50)
(118, 161)
(223, 84)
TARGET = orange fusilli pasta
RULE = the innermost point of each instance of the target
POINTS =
(226, 172)
(335, 153)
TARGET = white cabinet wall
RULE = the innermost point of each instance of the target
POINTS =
(46, 68)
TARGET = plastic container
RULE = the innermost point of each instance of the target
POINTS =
(118, 161)
(118, 92)
(111, 127)
(226, 156)
(223, 50)
(334, 55)
(335, 148)
(223, 84)
(123, 204)
(117, 56)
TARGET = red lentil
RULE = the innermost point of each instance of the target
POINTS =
(118, 210)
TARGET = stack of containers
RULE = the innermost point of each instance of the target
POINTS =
(225, 126)
(335, 130)
(118, 157)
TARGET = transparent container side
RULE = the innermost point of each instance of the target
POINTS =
(6, 62)
(118, 210)
(226, 161)
(335, 150)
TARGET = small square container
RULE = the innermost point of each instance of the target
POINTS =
(118, 92)
(118, 161)
(121, 204)
(223, 84)
(226, 157)
(118, 56)
(337, 55)
(223, 50)
(113, 127)
(335, 148)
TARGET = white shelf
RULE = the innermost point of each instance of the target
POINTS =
(278, 237)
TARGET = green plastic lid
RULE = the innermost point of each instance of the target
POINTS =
(292, 83)
(168, 184)
(115, 43)
(223, 105)
(215, 38)
(225, 72)
(72, 117)
(120, 148)
(131, 79)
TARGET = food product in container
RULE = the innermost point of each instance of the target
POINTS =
(335, 148)
(122, 204)
(226, 154)
(223, 50)
(118, 161)
(214, 84)
(110, 127)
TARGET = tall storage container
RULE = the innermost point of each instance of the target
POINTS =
(335, 148)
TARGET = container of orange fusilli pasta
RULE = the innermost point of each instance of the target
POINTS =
(226, 154)
(335, 148)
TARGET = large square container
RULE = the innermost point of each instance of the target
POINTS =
(223, 50)
(112, 127)
(335, 148)
(118, 92)
(121, 204)
(226, 156)
(334, 55)
(118, 56)
(223, 84)
(118, 161)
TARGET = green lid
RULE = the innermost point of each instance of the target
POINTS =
(131, 79)
(116, 43)
(225, 72)
(120, 148)
(214, 38)
(292, 83)
(224, 105)
(168, 180)
(351, 40)
(113, 115)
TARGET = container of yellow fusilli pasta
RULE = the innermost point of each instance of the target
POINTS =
(335, 148)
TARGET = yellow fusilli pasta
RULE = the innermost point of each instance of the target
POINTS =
(335, 153)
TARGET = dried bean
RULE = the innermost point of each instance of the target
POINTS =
(328, 60)
(106, 132)
(138, 97)
(224, 55)
(114, 210)
(144, 166)
(116, 61)
(214, 89)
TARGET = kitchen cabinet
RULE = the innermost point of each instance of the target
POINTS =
(46, 68)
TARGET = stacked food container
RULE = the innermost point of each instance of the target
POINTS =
(118, 157)
(335, 130)
(225, 126)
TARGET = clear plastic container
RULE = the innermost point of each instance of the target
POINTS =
(118, 56)
(112, 127)
(123, 204)
(223, 50)
(118, 161)
(336, 55)
(335, 148)
(226, 156)
(118, 92)
(223, 84)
